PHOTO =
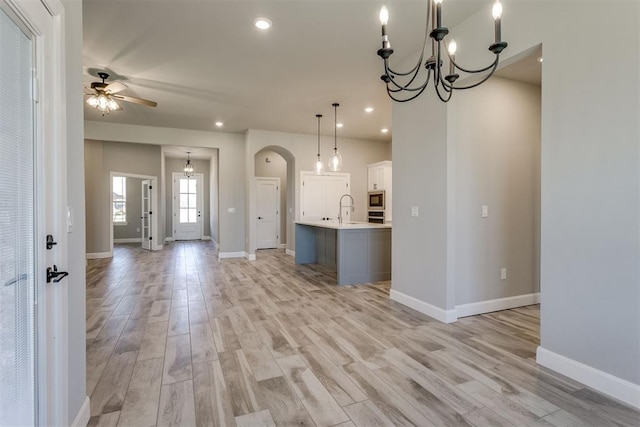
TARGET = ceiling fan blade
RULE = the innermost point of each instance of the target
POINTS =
(136, 100)
(115, 87)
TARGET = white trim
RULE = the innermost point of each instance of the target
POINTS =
(282, 246)
(290, 252)
(128, 240)
(82, 418)
(488, 306)
(216, 244)
(97, 255)
(223, 255)
(169, 239)
(445, 316)
(206, 237)
(250, 257)
(603, 382)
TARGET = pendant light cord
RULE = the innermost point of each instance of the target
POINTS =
(318, 116)
(335, 126)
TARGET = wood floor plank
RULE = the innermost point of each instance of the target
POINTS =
(177, 407)
(97, 358)
(257, 419)
(104, 420)
(366, 414)
(203, 346)
(212, 399)
(262, 363)
(322, 408)
(108, 395)
(240, 381)
(286, 408)
(111, 331)
(153, 341)
(177, 359)
(140, 408)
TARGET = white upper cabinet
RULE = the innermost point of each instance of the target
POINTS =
(320, 195)
(379, 176)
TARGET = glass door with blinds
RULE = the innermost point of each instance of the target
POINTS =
(18, 336)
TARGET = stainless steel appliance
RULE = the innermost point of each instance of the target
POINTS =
(376, 200)
(376, 217)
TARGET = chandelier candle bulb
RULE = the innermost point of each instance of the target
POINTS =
(452, 55)
(438, 13)
(496, 11)
(384, 18)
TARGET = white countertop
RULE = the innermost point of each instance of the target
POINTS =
(347, 225)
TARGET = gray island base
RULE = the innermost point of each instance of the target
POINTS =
(357, 252)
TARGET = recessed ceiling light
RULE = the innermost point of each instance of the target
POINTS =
(339, 125)
(262, 23)
(369, 109)
(384, 130)
(540, 59)
(219, 124)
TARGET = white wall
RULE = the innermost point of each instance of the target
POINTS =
(76, 311)
(497, 164)
(230, 171)
(590, 171)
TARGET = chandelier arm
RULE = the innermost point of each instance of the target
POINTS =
(410, 89)
(473, 71)
(390, 93)
(484, 79)
(424, 45)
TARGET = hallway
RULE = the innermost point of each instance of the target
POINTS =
(177, 337)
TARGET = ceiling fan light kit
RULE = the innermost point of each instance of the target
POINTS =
(104, 96)
(405, 86)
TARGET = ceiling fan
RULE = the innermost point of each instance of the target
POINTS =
(104, 95)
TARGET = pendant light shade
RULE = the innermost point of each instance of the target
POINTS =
(188, 167)
(319, 166)
(335, 163)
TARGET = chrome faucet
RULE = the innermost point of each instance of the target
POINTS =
(348, 206)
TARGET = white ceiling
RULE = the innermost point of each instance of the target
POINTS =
(204, 61)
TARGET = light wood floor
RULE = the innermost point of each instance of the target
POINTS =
(179, 338)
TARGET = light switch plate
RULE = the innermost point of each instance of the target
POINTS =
(69, 219)
(485, 211)
(414, 211)
(232, 210)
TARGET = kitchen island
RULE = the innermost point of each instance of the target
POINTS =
(359, 252)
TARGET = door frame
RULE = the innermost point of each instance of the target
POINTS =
(142, 194)
(278, 219)
(175, 175)
(155, 244)
(44, 20)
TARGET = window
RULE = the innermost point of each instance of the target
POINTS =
(188, 206)
(119, 200)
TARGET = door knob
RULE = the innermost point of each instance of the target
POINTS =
(260, 217)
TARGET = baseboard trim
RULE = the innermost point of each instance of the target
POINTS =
(250, 257)
(613, 386)
(168, 239)
(282, 246)
(97, 255)
(206, 237)
(290, 252)
(82, 418)
(445, 316)
(128, 240)
(224, 255)
(488, 306)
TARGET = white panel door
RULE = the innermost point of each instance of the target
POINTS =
(146, 218)
(267, 208)
(312, 201)
(335, 187)
(187, 207)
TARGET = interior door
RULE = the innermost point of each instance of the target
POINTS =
(18, 254)
(187, 207)
(146, 218)
(312, 201)
(335, 187)
(267, 208)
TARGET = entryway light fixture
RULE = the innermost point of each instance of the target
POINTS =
(188, 167)
(404, 86)
(319, 168)
(335, 164)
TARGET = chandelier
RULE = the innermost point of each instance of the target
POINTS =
(405, 86)
(188, 167)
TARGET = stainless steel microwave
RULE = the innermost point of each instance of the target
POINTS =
(376, 200)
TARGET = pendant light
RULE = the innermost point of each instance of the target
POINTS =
(188, 167)
(335, 164)
(319, 167)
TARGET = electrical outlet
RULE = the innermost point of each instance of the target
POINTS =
(503, 274)
(232, 210)
(414, 211)
(485, 211)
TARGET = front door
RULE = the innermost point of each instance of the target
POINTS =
(267, 208)
(187, 207)
(146, 217)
